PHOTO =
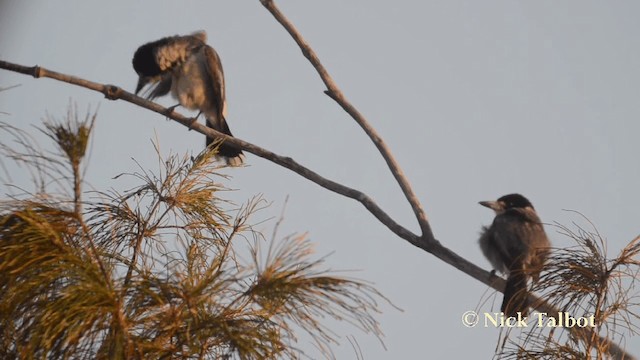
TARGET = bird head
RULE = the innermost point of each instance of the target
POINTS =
(146, 65)
(154, 59)
(511, 201)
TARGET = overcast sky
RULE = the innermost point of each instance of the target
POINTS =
(476, 99)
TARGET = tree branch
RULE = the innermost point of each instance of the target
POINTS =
(334, 92)
(113, 92)
(427, 241)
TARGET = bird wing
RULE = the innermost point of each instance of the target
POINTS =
(511, 236)
(213, 68)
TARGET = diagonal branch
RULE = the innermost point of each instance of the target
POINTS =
(113, 92)
(427, 241)
(334, 92)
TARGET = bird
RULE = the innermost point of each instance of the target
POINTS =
(516, 245)
(192, 71)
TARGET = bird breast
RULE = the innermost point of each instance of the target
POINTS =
(189, 85)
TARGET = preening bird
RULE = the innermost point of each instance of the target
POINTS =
(516, 245)
(191, 70)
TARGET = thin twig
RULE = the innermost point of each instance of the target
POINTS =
(334, 92)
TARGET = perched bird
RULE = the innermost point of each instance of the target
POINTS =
(516, 245)
(191, 70)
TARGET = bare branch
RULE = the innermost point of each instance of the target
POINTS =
(113, 92)
(334, 92)
(427, 241)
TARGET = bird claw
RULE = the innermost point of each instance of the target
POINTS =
(193, 120)
(170, 110)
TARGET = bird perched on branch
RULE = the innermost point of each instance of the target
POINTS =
(516, 245)
(191, 70)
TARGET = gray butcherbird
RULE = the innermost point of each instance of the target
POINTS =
(516, 245)
(191, 70)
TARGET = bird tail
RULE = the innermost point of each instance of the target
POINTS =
(516, 298)
(233, 156)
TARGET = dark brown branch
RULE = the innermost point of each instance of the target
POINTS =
(334, 92)
(113, 93)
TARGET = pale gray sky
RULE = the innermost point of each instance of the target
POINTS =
(477, 99)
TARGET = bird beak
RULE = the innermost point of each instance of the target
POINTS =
(493, 205)
(142, 81)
